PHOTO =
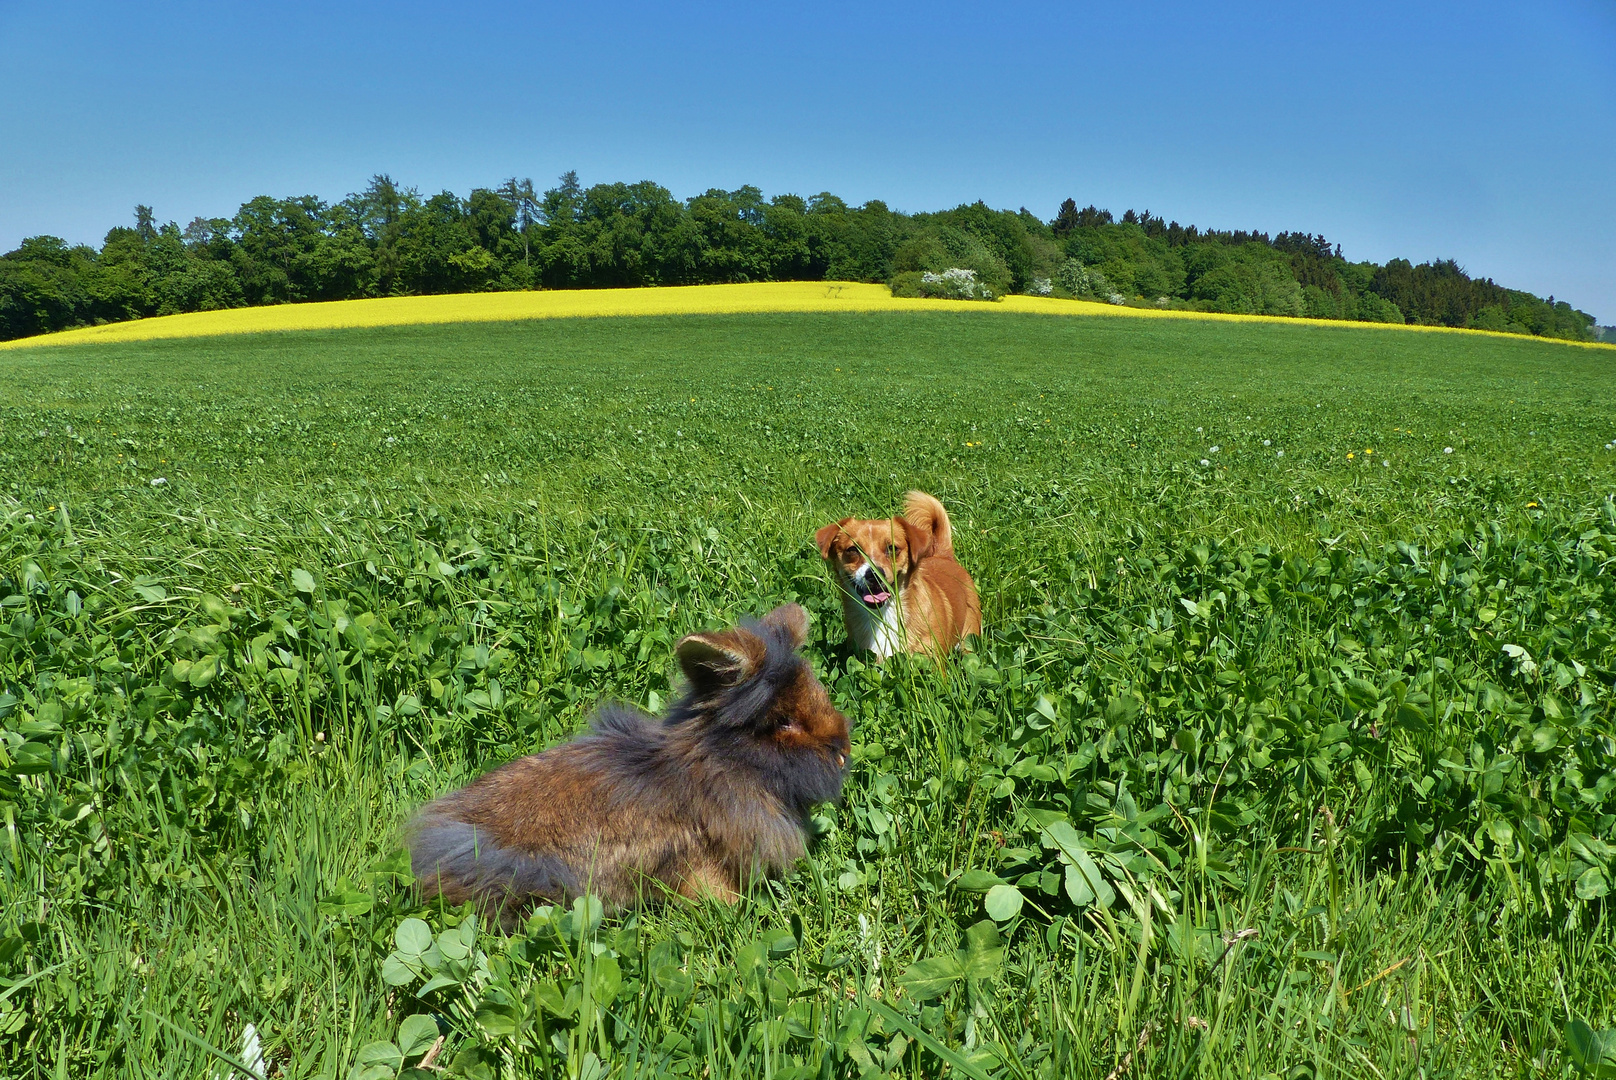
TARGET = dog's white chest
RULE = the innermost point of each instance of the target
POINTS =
(880, 630)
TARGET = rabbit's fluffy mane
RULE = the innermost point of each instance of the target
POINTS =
(708, 731)
(719, 788)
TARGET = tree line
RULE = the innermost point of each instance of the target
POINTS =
(389, 240)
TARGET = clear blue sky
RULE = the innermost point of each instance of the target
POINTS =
(1481, 131)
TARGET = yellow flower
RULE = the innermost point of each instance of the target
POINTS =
(1531, 505)
(782, 296)
(1368, 451)
(1351, 456)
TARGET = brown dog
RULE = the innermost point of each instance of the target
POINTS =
(902, 589)
(696, 804)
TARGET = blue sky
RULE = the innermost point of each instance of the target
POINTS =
(1482, 131)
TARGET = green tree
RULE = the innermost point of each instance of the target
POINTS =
(524, 204)
(388, 240)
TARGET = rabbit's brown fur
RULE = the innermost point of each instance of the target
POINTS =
(695, 804)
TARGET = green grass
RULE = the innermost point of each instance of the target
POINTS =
(1242, 779)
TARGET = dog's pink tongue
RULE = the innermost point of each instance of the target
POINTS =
(876, 597)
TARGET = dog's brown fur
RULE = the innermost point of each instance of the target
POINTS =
(914, 555)
(696, 804)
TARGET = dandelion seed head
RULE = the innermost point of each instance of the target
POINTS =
(1447, 449)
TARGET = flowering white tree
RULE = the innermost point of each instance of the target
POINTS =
(1073, 278)
(956, 283)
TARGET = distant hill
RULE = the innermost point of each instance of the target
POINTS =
(390, 241)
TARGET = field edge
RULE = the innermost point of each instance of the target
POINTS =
(793, 297)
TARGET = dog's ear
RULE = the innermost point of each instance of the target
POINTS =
(920, 540)
(792, 619)
(719, 659)
(826, 536)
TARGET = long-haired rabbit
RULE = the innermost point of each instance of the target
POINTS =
(695, 804)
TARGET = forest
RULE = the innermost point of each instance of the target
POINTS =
(389, 240)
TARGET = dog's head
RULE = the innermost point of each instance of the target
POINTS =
(873, 560)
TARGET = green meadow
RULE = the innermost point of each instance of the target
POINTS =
(1289, 749)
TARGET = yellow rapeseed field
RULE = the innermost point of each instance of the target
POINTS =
(783, 296)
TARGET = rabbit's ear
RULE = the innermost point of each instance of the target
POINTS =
(793, 620)
(718, 659)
